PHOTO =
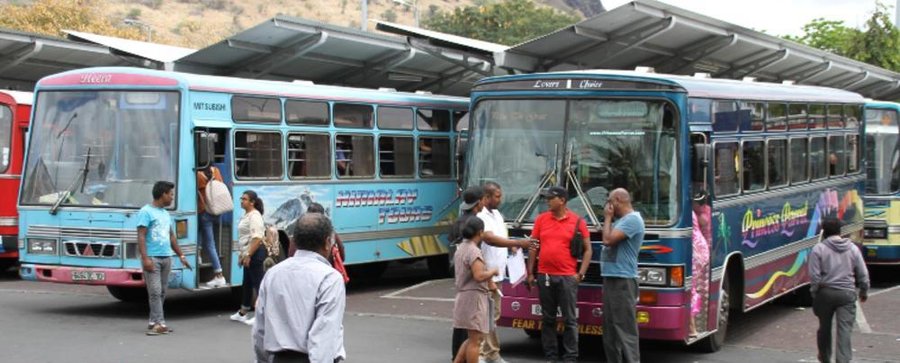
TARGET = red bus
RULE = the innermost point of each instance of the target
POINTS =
(15, 113)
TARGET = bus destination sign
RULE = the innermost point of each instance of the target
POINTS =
(571, 84)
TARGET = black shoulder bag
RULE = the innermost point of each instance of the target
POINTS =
(576, 246)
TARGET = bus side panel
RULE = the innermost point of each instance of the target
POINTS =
(774, 236)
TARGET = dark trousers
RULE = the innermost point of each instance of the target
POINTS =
(253, 275)
(558, 293)
(620, 330)
(459, 336)
(289, 356)
(828, 304)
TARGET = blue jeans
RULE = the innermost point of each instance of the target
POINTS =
(156, 282)
(208, 241)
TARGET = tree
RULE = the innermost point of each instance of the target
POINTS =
(506, 22)
(51, 17)
(878, 43)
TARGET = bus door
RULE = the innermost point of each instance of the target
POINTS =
(701, 236)
(212, 149)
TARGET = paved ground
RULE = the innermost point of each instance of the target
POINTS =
(404, 317)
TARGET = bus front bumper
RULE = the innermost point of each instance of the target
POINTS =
(82, 275)
(654, 322)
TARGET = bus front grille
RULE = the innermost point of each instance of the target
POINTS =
(91, 249)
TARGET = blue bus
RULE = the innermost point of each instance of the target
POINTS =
(381, 162)
(882, 235)
(732, 179)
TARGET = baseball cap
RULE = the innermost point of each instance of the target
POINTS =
(556, 191)
(471, 196)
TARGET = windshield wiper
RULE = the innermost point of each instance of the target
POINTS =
(545, 180)
(68, 192)
(570, 173)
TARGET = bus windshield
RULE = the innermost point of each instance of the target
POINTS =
(882, 151)
(606, 144)
(100, 148)
(5, 137)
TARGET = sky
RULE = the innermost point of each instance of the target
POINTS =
(777, 17)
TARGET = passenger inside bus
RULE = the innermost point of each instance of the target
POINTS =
(343, 153)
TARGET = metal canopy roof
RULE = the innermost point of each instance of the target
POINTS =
(25, 58)
(289, 48)
(160, 53)
(677, 41)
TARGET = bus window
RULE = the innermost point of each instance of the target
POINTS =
(818, 160)
(726, 168)
(256, 109)
(308, 156)
(395, 118)
(836, 157)
(350, 115)
(752, 116)
(433, 120)
(817, 116)
(434, 157)
(853, 153)
(699, 109)
(396, 155)
(777, 118)
(726, 116)
(313, 113)
(778, 156)
(797, 116)
(834, 117)
(753, 171)
(354, 156)
(799, 160)
(882, 172)
(851, 116)
(462, 120)
(5, 137)
(257, 155)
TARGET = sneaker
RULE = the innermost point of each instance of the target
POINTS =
(250, 321)
(498, 360)
(217, 282)
(239, 317)
(157, 330)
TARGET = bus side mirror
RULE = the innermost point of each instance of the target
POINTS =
(204, 148)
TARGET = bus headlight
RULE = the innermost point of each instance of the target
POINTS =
(655, 276)
(44, 246)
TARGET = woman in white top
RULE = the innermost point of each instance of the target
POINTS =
(251, 231)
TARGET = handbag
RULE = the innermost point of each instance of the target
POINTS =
(576, 245)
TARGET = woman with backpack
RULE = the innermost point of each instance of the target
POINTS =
(204, 176)
(251, 232)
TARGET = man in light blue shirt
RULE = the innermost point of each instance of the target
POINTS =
(157, 244)
(300, 308)
(618, 266)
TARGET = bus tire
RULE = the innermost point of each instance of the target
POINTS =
(439, 266)
(714, 342)
(128, 294)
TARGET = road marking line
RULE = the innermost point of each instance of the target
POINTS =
(879, 292)
(861, 320)
(394, 295)
(404, 317)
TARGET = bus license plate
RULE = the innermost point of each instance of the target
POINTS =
(88, 276)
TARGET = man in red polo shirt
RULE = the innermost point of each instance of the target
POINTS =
(558, 272)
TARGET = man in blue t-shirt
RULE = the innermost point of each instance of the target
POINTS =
(157, 244)
(618, 266)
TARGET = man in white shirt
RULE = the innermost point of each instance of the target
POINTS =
(495, 249)
(300, 308)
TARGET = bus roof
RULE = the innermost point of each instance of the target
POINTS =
(20, 97)
(299, 89)
(702, 87)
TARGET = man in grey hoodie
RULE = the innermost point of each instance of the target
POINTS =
(836, 271)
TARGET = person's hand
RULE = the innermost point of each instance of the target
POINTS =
(494, 271)
(579, 277)
(245, 261)
(147, 264)
(524, 243)
(535, 244)
(863, 298)
(529, 281)
(492, 285)
(608, 211)
(185, 262)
